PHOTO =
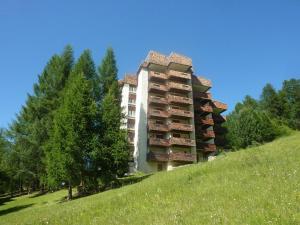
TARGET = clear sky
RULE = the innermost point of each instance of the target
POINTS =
(239, 45)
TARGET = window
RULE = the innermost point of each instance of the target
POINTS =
(132, 100)
(176, 135)
(131, 113)
(132, 88)
(159, 122)
(161, 136)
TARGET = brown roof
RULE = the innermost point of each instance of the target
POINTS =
(129, 79)
(160, 59)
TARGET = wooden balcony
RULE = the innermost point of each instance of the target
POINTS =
(202, 95)
(179, 86)
(158, 113)
(182, 141)
(183, 157)
(203, 109)
(200, 84)
(180, 112)
(152, 126)
(180, 75)
(207, 147)
(179, 99)
(157, 156)
(219, 107)
(158, 142)
(206, 134)
(153, 75)
(181, 127)
(157, 87)
(206, 122)
(158, 100)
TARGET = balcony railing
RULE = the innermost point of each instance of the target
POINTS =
(219, 106)
(157, 75)
(200, 81)
(181, 126)
(159, 142)
(182, 157)
(180, 112)
(179, 86)
(158, 113)
(179, 99)
(157, 87)
(182, 141)
(157, 127)
(158, 100)
(207, 122)
(205, 109)
(206, 147)
(157, 156)
(206, 134)
(202, 95)
(177, 74)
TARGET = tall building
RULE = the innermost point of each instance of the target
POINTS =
(170, 115)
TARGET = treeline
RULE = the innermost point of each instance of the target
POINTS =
(68, 132)
(254, 121)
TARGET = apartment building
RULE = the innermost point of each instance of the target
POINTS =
(171, 117)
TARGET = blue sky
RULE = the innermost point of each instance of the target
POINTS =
(239, 45)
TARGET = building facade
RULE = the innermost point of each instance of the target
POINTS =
(170, 115)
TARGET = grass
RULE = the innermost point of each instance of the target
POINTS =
(260, 185)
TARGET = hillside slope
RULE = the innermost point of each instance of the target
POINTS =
(260, 185)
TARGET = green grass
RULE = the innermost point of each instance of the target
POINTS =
(260, 185)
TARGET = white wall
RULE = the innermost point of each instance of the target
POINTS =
(141, 135)
(124, 104)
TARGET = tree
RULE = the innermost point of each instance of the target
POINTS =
(73, 135)
(108, 72)
(290, 99)
(270, 101)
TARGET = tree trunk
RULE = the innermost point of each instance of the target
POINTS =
(70, 191)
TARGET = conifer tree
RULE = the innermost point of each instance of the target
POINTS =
(73, 134)
(270, 102)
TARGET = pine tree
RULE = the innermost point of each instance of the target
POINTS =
(270, 102)
(108, 72)
(73, 135)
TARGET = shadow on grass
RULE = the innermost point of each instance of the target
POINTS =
(5, 199)
(14, 209)
(38, 194)
(121, 182)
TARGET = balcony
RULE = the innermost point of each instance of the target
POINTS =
(181, 127)
(157, 156)
(206, 122)
(157, 127)
(201, 84)
(157, 87)
(182, 157)
(179, 99)
(219, 107)
(206, 147)
(153, 75)
(179, 87)
(158, 113)
(180, 112)
(202, 95)
(204, 109)
(180, 75)
(158, 142)
(207, 134)
(179, 62)
(182, 141)
(157, 100)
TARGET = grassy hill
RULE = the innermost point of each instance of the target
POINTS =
(260, 185)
